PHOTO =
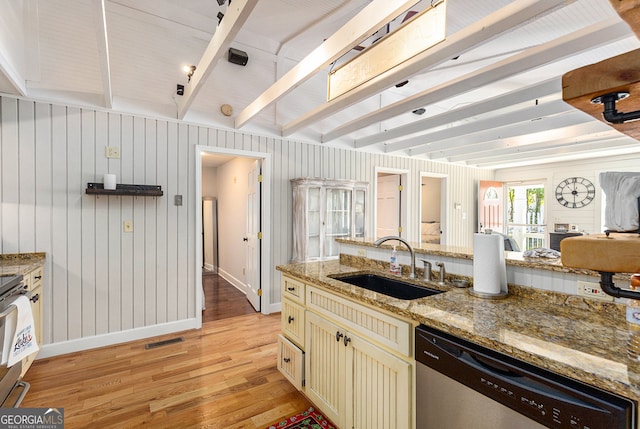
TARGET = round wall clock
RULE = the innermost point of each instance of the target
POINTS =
(575, 192)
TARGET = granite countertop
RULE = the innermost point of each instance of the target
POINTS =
(577, 337)
(20, 263)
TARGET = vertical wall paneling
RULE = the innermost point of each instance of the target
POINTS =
(10, 186)
(114, 292)
(161, 227)
(27, 174)
(59, 225)
(139, 227)
(183, 267)
(150, 221)
(172, 221)
(102, 233)
(88, 228)
(44, 198)
(73, 240)
(127, 242)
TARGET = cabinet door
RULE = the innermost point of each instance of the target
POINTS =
(292, 321)
(378, 389)
(325, 367)
(337, 218)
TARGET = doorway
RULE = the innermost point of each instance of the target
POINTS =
(391, 205)
(433, 197)
(224, 176)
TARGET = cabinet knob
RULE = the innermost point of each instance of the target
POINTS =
(338, 335)
(245, 239)
(347, 340)
(37, 277)
(291, 289)
(286, 360)
(35, 297)
(291, 319)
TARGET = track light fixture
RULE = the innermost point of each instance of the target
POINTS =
(189, 71)
(220, 16)
(221, 2)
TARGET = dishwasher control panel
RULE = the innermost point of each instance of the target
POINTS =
(553, 400)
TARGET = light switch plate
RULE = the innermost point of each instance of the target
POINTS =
(127, 226)
(177, 200)
(112, 152)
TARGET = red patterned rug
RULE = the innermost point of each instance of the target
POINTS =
(309, 419)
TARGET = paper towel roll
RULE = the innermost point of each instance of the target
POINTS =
(109, 181)
(489, 268)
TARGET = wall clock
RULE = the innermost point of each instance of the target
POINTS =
(575, 192)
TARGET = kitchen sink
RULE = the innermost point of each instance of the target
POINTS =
(384, 285)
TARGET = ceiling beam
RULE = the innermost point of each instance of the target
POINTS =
(568, 45)
(504, 136)
(369, 19)
(103, 53)
(237, 14)
(530, 113)
(503, 20)
(529, 93)
(555, 148)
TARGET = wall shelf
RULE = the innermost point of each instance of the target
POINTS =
(121, 189)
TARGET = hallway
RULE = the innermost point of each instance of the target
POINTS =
(222, 300)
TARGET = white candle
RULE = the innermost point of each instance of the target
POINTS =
(109, 181)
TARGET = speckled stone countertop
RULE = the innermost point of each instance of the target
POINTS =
(580, 338)
(20, 263)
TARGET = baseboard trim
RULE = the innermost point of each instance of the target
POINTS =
(81, 344)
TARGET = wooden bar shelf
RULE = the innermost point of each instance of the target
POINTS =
(122, 189)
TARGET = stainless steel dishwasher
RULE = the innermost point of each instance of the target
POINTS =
(462, 385)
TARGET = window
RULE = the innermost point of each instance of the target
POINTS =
(526, 223)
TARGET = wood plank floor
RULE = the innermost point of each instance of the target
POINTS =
(222, 299)
(222, 376)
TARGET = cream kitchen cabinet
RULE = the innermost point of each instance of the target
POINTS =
(353, 361)
(355, 383)
(324, 210)
(33, 281)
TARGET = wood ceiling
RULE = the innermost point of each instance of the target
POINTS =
(491, 92)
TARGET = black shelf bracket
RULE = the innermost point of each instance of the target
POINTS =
(123, 189)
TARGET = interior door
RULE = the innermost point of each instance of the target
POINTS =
(388, 205)
(490, 206)
(252, 238)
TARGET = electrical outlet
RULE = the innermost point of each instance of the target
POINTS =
(127, 226)
(592, 290)
(112, 152)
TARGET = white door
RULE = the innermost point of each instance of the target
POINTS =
(252, 266)
(388, 205)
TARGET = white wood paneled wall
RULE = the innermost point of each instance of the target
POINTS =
(101, 280)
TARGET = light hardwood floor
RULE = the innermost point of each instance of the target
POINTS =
(222, 376)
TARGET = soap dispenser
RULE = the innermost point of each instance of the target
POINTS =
(394, 266)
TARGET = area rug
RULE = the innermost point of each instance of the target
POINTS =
(309, 419)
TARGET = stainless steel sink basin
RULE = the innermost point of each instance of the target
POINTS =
(384, 285)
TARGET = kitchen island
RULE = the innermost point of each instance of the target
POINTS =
(580, 338)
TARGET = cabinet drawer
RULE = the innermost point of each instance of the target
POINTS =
(293, 321)
(293, 289)
(395, 334)
(291, 362)
(36, 278)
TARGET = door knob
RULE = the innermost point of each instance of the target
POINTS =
(245, 239)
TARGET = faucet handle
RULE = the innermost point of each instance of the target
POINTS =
(427, 270)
